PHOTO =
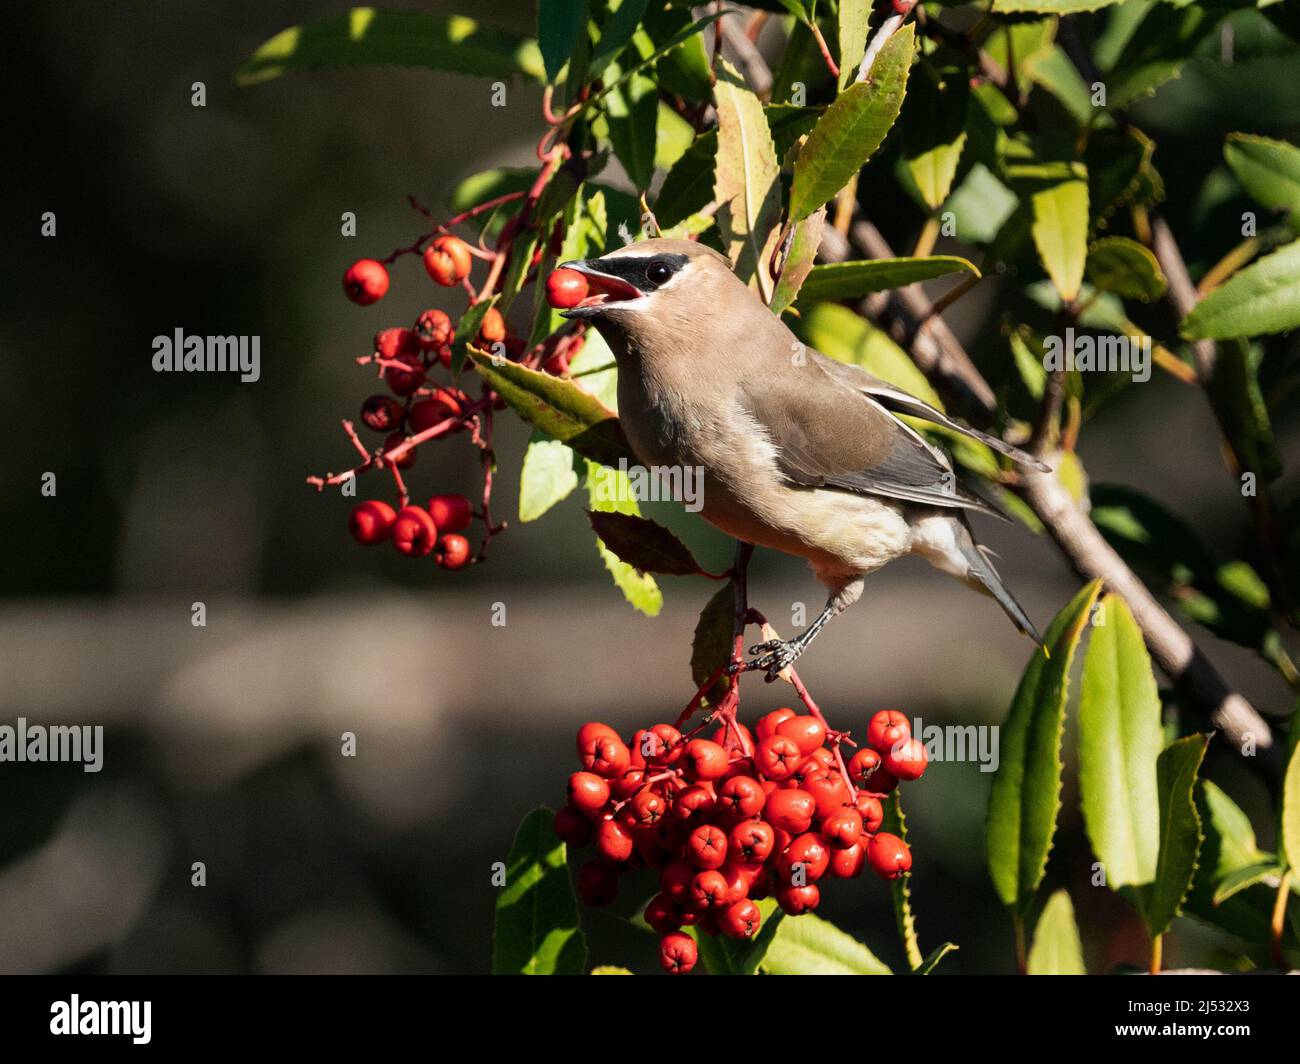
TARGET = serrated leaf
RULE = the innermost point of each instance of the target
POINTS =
(1120, 172)
(1269, 171)
(809, 945)
(644, 544)
(557, 407)
(558, 23)
(537, 930)
(1026, 791)
(609, 491)
(1235, 882)
(1119, 742)
(714, 631)
(746, 180)
(1057, 949)
(900, 889)
(853, 280)
(1060, 232)
(934, 132)
(1180, 833)
(1289, 822)
(799, 261)
(852, 26)
(931, 962)
(852, 128)
(1263, 298)
(1123, 266)
(547, 477)
(365, 36)
(723, 955)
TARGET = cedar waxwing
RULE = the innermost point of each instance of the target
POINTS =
(799, 452)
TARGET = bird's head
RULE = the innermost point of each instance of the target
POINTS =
(658, 291)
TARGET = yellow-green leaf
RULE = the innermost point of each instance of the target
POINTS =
(1057, 949)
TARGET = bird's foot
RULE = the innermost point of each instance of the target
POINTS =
(774, 657)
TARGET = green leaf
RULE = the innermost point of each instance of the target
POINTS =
(632, 110)
(931, 962)
(852, 128)
(558, 22)
(557, 407)
(711, 645)
(487, 185)
(1289, 829)
(1229, 847)
(809, 945)
(1119, 742)
(1055, 71)
(1057, 949)
(1125, 267)
(367, 37)
(1120, 173)
(615, 35)
(1048, 7)
(644, 544)
(548, 476)
(467, 331)
(1180, 833)
(853, 280)
(609, 969)
(798, 263)
(1269, 170)
(1263, 298)
(728, 956)
(852, 25)
(900, 889)
(537, 930)
(1026, 791)
(1163, 41)
(1235, 882)
(610, 491)
(746, 181)
(1060, 231)
(1234, 391)
(688, 186)
(934, 131)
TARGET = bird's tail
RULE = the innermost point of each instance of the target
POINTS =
(984, 577)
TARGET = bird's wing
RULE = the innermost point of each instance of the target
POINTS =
(900, 402)
(828, 434)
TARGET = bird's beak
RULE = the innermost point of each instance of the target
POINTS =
(605, 289)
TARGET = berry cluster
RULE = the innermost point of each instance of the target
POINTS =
(735, 818)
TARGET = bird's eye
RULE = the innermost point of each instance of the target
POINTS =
(659, 272)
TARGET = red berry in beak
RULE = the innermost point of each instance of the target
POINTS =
(565, 289)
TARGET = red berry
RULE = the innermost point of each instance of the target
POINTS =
(739, 877)
(906, 760)
(882, 782)
(565, 289)
(394, 440)
(662, 914)
(694, 803)
(493, 328)
(396, 343)
(588, 791)
(677, 953)
(742, 796)
(588, 735)
(451, 512)
(709, 890)
(778, 756)
(798, 900)
(888, 855)
(382, 413)
(434, 330)
(723, 733)
(848, 862)
(452, 551)
(597, 882)
(572, 826)
(887, 728)
(791, 811)
(706, 847)
(371, 522)
(427, 413)
(767, 725)
(705, 760)
(740, 919)
(607, 756)
(626, 785)
(647, 808)
(830, 792)
(804, 861)
(613, 841)
(808, 733)
(862, 765)
(843, 827)
(405, 382)
(365, 282)
(871, 811)
(414, 532)
(448, 260)
(675, 880)
(752, 840)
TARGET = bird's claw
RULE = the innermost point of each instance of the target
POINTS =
(774, 657)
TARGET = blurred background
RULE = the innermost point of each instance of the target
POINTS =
(223, 742)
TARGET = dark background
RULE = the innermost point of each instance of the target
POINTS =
(223, 742)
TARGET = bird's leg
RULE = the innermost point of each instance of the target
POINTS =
(779, 654)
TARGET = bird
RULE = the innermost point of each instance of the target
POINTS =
(799, 452)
